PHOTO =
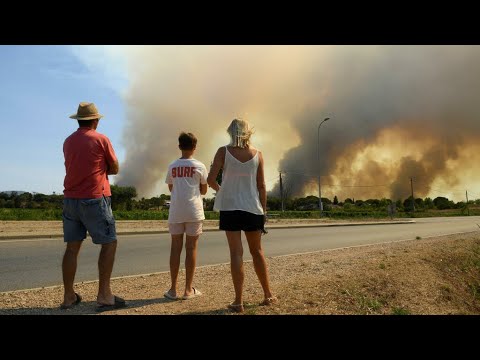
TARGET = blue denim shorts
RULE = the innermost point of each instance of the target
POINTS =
(92, 215)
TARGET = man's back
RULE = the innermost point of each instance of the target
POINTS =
(87, 155)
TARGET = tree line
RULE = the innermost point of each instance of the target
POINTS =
(125, 198)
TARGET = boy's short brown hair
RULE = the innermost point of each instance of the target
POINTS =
(187, 141)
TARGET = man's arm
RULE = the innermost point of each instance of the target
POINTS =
(203, 188)
(113, 168)
(170, 187)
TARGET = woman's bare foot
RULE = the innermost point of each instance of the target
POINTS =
(238, 308)
(269, 301)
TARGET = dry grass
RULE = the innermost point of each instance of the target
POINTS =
(430, 276)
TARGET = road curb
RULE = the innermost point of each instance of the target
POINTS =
(271, 227)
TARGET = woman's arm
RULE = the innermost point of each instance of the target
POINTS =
(262, 189)
(218, 162)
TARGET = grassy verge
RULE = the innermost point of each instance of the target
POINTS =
(56, 214)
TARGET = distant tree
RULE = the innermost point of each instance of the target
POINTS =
(428, 203)
(307, 203)
(17, 201)
(373, 202)
(165, 197)
(55, 201)
(335, 200)
(441, 203)
(461, 205)
(359, 203)
(274, 203)
(399, 204)
(419, 203)
(25, 199)
(348, 201)
(407, 204)
(122, 196)
(384, 202)
(40, 197)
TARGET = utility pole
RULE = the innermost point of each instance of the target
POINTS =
(468, 210)
(281, 190)
(320, 204)
(413, 199)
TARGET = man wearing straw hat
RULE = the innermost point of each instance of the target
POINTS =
(89, 159)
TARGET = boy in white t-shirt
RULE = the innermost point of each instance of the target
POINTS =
(187, 181)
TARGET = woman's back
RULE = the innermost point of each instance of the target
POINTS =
(242, 154)
(239, 181)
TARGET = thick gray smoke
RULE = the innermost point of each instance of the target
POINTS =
(422, 99)
(429, 97)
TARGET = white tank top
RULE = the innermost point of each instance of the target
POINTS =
(239, 186)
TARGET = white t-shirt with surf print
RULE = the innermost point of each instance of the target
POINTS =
(186, 203)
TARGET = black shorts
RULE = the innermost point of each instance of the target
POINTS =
(237, 220)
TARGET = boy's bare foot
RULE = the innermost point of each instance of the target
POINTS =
(171, 295)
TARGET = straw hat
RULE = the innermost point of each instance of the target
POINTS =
(86, 111)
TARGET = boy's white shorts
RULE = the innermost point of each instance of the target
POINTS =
(190, 228)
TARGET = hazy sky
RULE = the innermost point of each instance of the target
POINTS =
(40, 87)
(396, 112)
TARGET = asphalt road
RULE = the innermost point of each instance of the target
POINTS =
(35, 263)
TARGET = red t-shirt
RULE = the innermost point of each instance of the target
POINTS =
(87, 154)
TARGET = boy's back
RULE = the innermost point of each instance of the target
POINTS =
(186, 175)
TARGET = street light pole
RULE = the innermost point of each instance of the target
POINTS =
(320, 204)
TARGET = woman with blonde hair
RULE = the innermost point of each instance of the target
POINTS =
(242, 201)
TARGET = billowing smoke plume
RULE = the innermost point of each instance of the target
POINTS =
(396, 112)
(200, 89)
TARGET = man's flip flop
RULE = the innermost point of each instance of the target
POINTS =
(119, 303)
(78, 298)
